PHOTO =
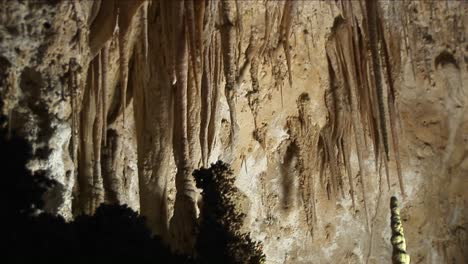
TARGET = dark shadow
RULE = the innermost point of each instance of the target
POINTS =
(288, 174)
(29, 234)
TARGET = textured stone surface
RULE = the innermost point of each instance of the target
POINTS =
(44, 49)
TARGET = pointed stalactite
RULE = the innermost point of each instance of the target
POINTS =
(216, 81)
(73, 90)
(193, 118)
(194, 50)
(144, 18)
(346, 147)
(369, 106)
(239, 33)
(285, 32)
(105, 89)
(343, 104)
(391, 99)
(372, 16)
(97, 136)
(206, 46)
(228, 47)
(123, 68)
(85, 164)
(206, 97)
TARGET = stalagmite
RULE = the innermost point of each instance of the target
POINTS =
(399, 256)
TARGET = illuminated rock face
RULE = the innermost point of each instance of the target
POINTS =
(303, 98)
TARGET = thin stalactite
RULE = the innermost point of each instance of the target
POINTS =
(372, 15)
(105, 89)
(391, 102)
(217, 76)
(97, 135)
(228, 47)
(285, 32)
(144, 18)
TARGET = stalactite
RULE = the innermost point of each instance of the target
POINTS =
(207, 47)
(346, 147)
(193, 117)
(97, 135)
(126, 10)
(228, 48)
(285, 31)
(182, 223)
(391, 99)
(144, 19)
(359, 136)
(239, 34)
(123, 68)
(218, 66)
(195, 53)
(102, 26)
(85, 165)
(372, 15)
(105, 89)
(206, 97)
(152, 103)
(72, 88)
(268, 29)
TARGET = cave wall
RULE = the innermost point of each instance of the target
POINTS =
(121, 100)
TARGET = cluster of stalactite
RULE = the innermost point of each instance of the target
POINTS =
(173, 80)
(360, 60)
(174, 77)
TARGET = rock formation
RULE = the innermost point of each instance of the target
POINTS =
(324, 109)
